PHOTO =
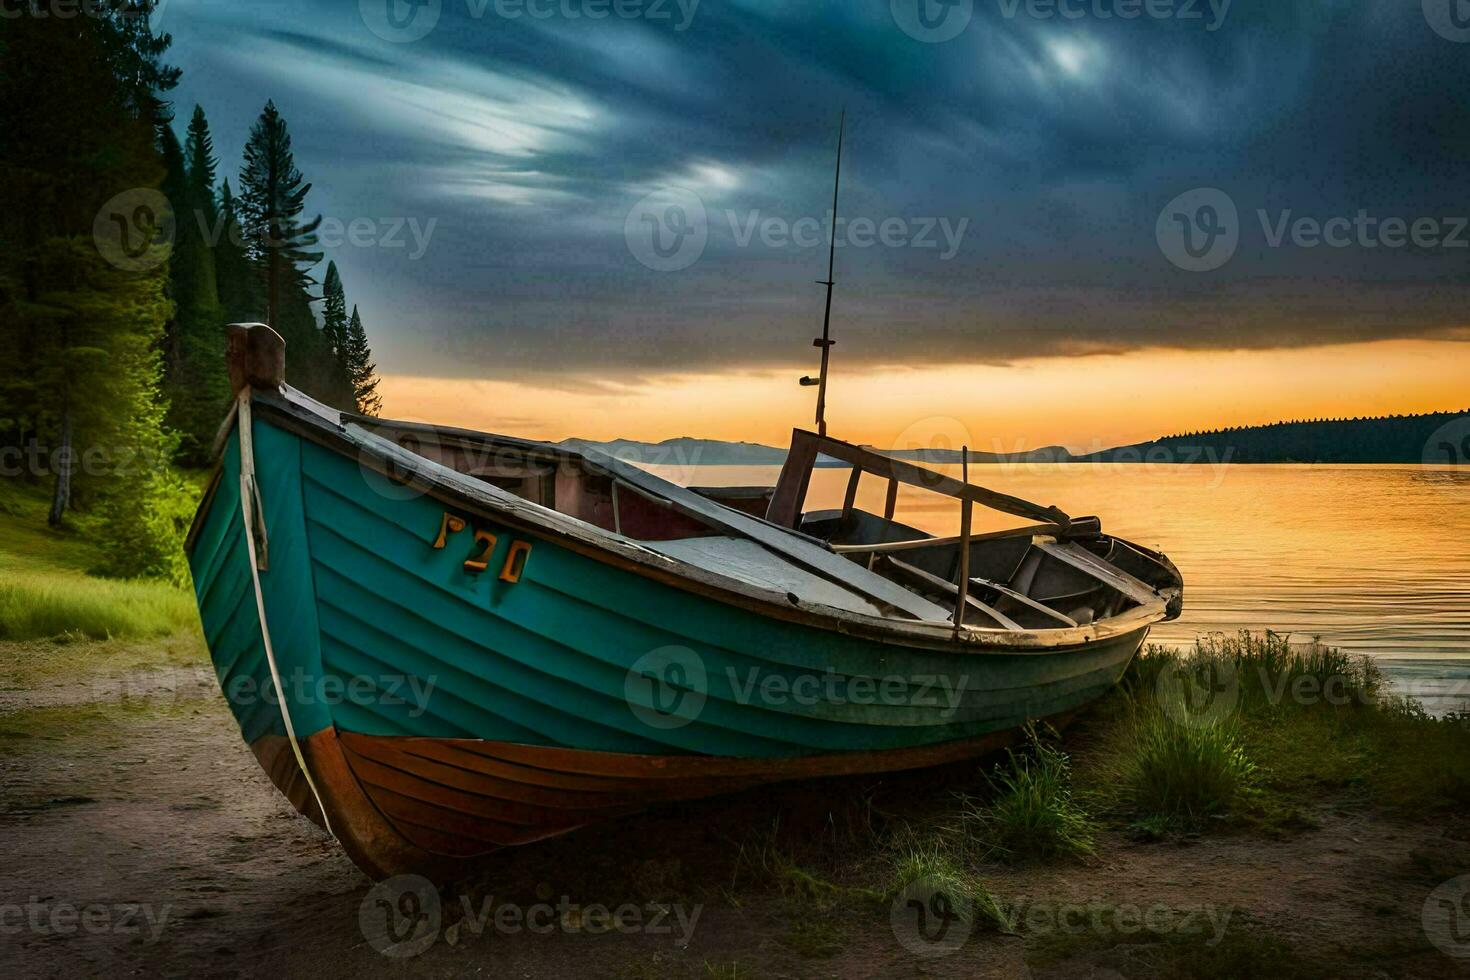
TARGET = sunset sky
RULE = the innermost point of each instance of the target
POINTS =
(1057, 229)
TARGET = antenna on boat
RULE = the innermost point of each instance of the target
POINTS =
(825, 341)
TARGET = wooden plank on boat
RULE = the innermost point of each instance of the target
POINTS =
(1083, 560)
(791, 488)
(804, 551)
(921, 577)
(1024, 600)
(1029, 530)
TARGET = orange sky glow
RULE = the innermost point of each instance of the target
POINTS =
(1082, 402)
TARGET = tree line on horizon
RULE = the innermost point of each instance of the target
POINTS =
(121, 262)
(1367, 439)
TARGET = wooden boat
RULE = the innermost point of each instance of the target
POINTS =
(482, 641)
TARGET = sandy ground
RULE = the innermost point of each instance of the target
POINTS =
(137, 836)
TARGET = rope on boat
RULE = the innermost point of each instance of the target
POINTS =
(254, 515)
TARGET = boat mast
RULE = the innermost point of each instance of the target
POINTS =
(825, 341)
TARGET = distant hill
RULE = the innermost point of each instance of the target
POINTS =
(686, 451)
(1386, 439)
(1046, 454)
(1439, 437)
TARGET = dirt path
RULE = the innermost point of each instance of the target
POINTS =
(138, 835)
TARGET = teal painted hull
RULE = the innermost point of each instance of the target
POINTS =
(379, 633)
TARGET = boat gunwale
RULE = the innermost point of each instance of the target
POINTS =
(352, 439)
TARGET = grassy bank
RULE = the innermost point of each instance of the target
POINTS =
(46, 593)
(1246, 740)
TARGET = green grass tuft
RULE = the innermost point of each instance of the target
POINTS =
(926, 861)
(41, 605)
(1186, 772)
(1032, 814)
(1256, 727)
(45, 592)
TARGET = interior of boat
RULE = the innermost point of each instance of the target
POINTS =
(1056, 572)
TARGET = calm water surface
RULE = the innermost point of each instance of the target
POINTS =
(1374, 559)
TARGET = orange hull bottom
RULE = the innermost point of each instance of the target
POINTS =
(402, 805)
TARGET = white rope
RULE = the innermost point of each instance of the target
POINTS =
(249, 499)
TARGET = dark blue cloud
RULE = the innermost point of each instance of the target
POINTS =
(1054, 142)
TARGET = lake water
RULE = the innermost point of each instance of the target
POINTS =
(1373, 559)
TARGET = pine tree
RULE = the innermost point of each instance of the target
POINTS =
(200, 163)
(339, 390)
(272, 199)
(362, 370)
(195, 382)
(236, 282)
(82, 330)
